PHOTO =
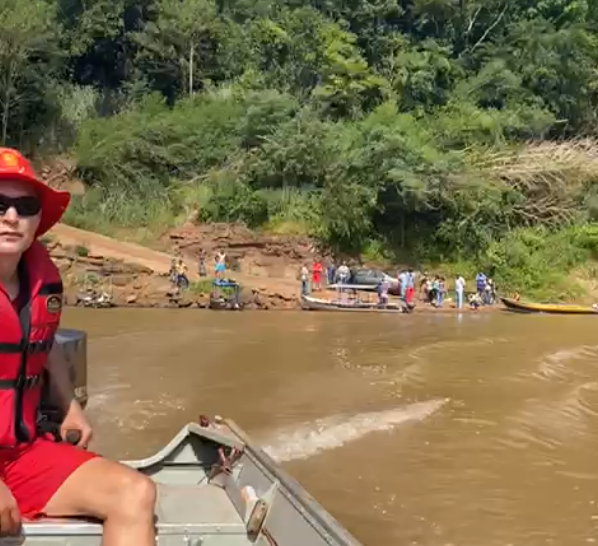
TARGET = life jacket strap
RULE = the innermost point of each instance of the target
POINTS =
(32, 348)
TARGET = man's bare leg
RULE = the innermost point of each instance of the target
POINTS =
(121, 497)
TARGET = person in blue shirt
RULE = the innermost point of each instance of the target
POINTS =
(410, 286)
(480, 283)
(403, 284)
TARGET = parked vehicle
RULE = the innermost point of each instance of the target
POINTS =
(373, 277)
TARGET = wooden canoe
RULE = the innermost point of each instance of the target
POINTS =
(552, 308)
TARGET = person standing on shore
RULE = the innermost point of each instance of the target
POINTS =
(39, 476)
(304, 274)
(172, 274)
(316, 274)
(330, 272)
(441, 292)
(343, 273)
(202, 263)
(403, 281)
(182, 280)
(424, 287)
(410, 281)
(480, 284)
(383, 288)
(459, 289)
(220, 264)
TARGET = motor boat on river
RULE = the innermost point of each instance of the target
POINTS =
(215, 487)
(309, 303)
(348, 299)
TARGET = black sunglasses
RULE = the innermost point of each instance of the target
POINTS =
(28, 205)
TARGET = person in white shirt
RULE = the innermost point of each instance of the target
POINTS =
(459, 289)
(304, 280)
(343, 273)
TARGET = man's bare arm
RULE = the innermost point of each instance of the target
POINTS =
(60, 382)
(63, 391)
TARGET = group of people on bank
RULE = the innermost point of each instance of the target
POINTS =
(317, 274)
(179, 272)
(433, 289)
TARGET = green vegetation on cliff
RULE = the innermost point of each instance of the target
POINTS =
(440, 131)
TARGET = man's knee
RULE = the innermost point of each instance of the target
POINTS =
(136, 498)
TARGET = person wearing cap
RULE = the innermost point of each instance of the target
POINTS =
(39, 476)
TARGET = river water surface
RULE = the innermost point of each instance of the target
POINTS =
(446, 430)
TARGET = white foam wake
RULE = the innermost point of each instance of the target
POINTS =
(332, 432)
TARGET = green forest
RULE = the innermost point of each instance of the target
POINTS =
(453, 132)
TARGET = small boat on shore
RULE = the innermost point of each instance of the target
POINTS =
(310, 303)
(225, 296)
(552, 308)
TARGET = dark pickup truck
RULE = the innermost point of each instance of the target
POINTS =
(373, 277)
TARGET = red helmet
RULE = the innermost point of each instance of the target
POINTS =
(13, 166)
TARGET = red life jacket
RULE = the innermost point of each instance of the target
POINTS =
(26, 338)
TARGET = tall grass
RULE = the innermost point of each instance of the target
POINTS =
(291, 211)
(282, 211)
(108, 212)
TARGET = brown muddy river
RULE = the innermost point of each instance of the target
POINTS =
(473, 430)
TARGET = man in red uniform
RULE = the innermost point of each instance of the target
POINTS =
(316, 274)
(38, 476)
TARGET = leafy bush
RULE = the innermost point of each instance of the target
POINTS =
(431, 134)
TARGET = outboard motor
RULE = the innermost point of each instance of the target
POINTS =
(74, 346)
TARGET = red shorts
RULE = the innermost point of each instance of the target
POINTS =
(34, 472)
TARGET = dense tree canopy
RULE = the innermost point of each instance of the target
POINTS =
(436, 128)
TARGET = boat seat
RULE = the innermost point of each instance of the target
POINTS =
(203, 509)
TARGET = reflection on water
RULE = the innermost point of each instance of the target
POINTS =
(421, 430)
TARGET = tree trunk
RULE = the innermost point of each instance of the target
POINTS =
(191, 54)
(6, 104)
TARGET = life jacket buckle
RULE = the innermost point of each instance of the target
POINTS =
(27, 382)
(32, 381)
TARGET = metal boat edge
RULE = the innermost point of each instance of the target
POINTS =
(295, 492)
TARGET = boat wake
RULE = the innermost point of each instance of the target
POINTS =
(558, 365)
(332, 432)
(566, 407)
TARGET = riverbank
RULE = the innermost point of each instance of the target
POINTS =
(137, 276)
(541, 264)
